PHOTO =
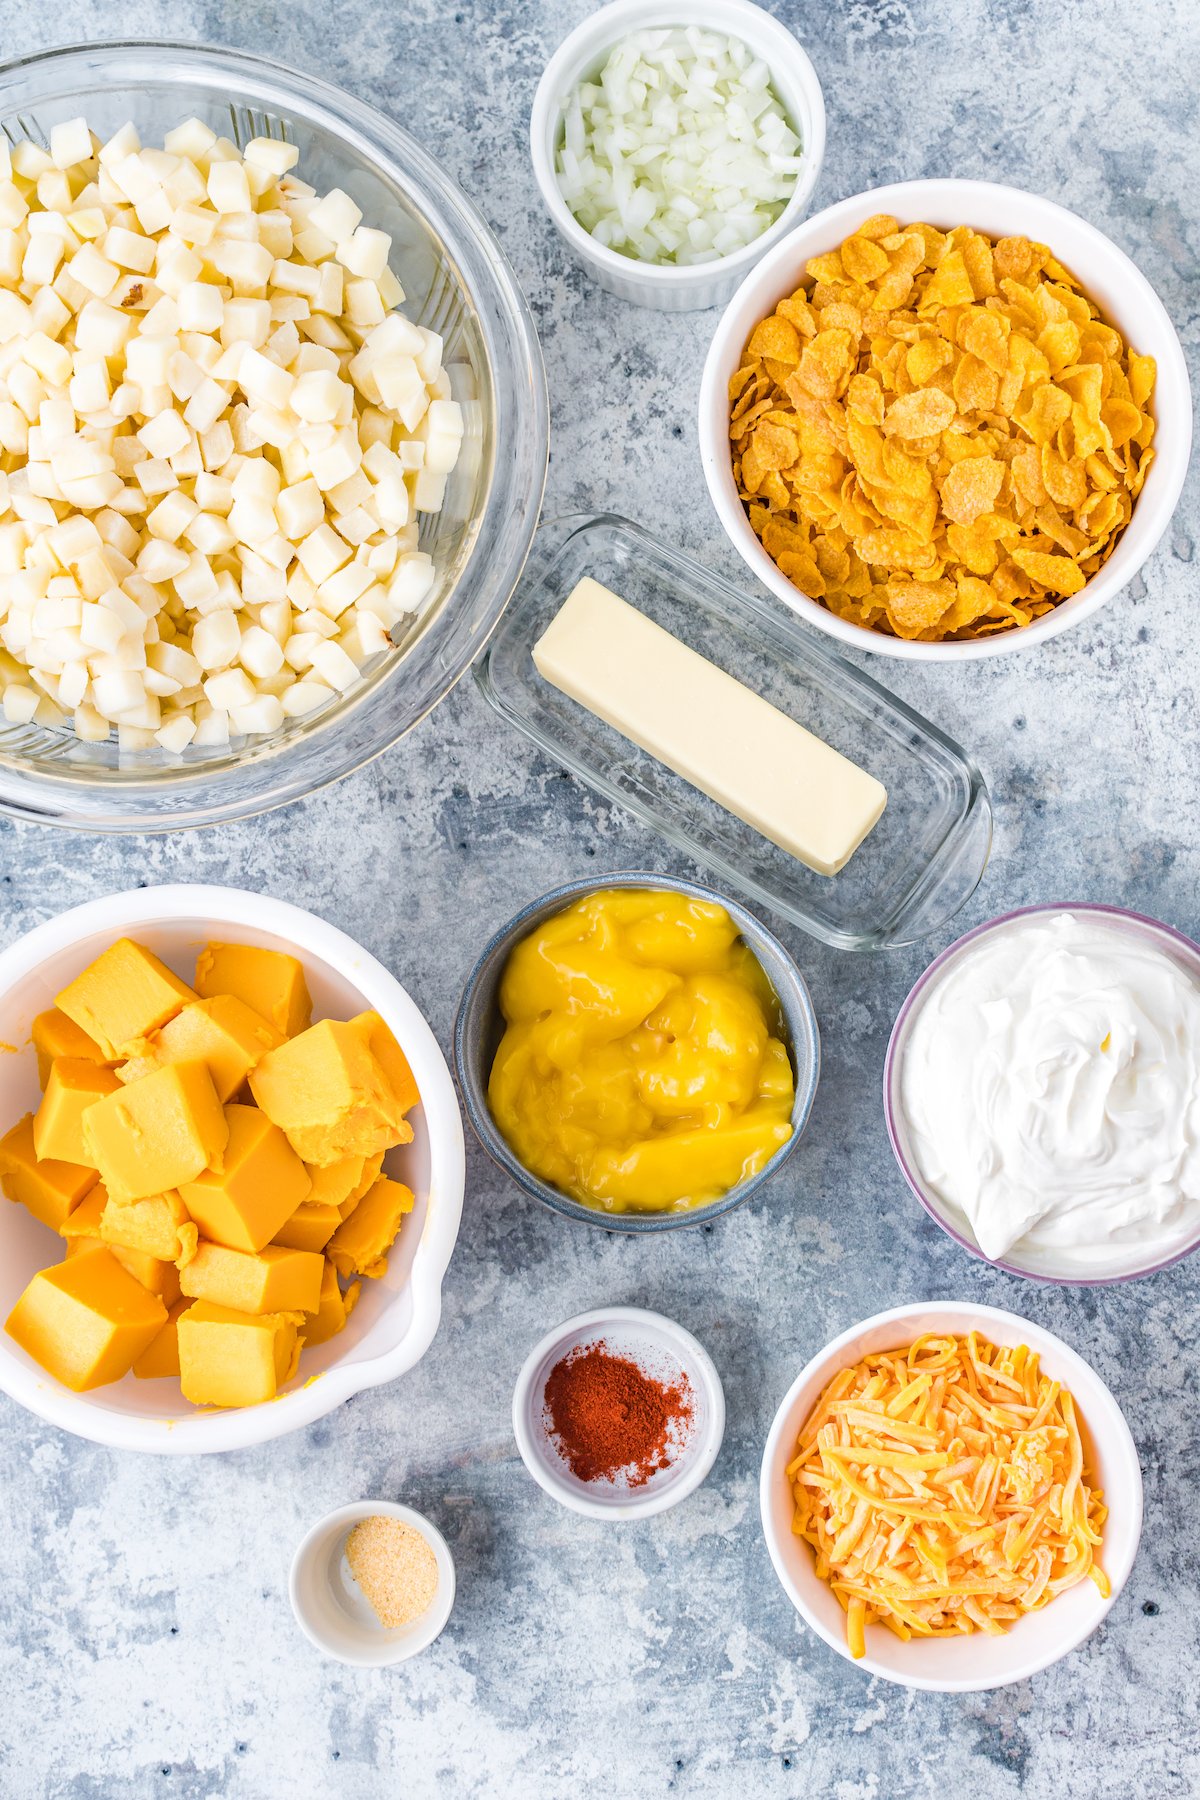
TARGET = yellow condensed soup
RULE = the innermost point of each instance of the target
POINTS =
(643, 1067)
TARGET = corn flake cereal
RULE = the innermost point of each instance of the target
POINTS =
(937, 436)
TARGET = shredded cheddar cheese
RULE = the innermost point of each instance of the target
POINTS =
(943, 1490)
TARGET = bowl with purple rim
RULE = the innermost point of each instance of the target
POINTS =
(1031, 1262)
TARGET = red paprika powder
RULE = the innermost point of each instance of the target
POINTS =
(610, 1417)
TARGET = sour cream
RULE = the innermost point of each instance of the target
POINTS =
(1050, 1090)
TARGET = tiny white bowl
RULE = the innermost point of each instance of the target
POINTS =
(333, 1612)
(1109, 278)
(395, 1320)
(959, 1665)
(667, 286)
(662, 1347)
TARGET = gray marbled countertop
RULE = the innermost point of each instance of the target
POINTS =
(146, 1644)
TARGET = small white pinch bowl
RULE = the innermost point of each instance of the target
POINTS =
(662, 1348)
(959, 1665)
(330, 1607)
(580, 56)
(1111, 281)
(395, 1320)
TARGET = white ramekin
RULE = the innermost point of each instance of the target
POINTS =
(628, 1331)
(663, 285)
(959, 1665)
(332, 1612)
(1109, 278)
(395, 1320)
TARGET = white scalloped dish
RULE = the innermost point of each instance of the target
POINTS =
(397, 1315)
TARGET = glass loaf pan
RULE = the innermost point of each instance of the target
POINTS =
(919, 865)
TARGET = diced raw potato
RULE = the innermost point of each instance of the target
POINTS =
(336, 216)
(269, 154)
(216, 640)
(300, 509)
(262, 714)
(317, 396)
(20, 704)
(228, 189)
(93, 271)
(233, 687)
(365, 252)
(412, 582)
(260, 654)
(205, 368)
(303, 696)
(321, 552)
(334, 666)
(70, 143)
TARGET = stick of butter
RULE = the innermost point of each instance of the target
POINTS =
(727, 741)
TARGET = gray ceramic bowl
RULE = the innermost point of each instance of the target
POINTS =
(479, 1027)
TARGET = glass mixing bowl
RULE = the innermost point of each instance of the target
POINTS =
(457, 282)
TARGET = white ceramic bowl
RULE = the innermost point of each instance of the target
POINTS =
(580, 56)
(1110, 279)
(1096, 1265)
(962, 1664)
(333, 1612)
(395, 1320)
(662, 1348)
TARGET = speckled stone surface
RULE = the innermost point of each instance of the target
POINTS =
(146, 1644)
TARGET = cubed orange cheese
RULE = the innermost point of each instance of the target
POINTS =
(86, 1320)
(51, 1190)
(360, 1244)
(260, 1184)
(86, 1246)
(336, 1182)
(153, 1225)
(158, 1132)
(334, 1310)
(274, 1279)
(390, 1058)
(161, 1356)
(122, 997)
(56, 1035)
(74, 1085)
(155, 1273)
(270, 982)
(328, 1092)
(222, 1033)
(310, 1227)
(84, 1221)
(156, 1276)
(372, 1165)
(227, 1358)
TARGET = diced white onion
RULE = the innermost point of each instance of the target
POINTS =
(680, 126)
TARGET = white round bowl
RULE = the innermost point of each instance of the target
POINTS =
(1108, 277)
(685, 288)
(663, 1348)
(330, 1607)
(395, 1320)
(959, 1665)
(1097, 1265)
